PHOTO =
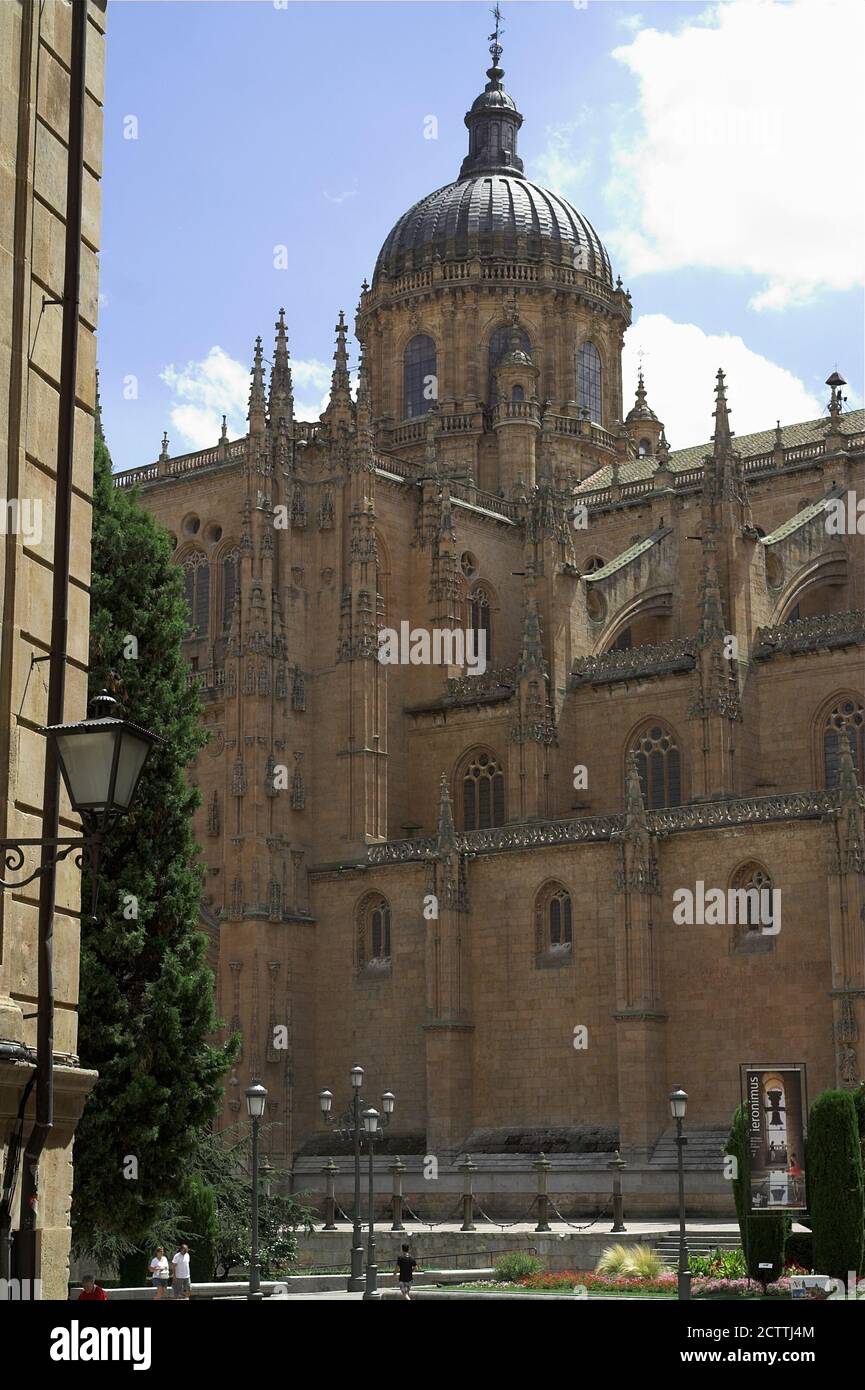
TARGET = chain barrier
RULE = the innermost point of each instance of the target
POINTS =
(446, 1220)
(606, 1210)
(505, 1225)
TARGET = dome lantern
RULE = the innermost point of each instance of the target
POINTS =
(493, 123)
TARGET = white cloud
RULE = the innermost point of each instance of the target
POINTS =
(203, 392)
(311, 388)
(218, 385)
(748, 148)
(679, 367)
(564, 163)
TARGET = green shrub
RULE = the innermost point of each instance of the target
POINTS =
(645, 1262)
(835, 1184)
(515, 1265)
(616, 1259)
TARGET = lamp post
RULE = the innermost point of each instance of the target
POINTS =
(351, 1125)
(678, 1106)
(371, 1124)
(101, 760)
(256, 1099)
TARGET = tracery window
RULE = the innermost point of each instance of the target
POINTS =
(844, 722)
(553, 924)
(483, 800)
(659, 766)
(372, 934)
(420, 383)
(480, 619)
(589, 380)
(197, 591)
(752, 917)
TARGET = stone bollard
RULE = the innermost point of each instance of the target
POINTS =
(542, 1166)
(618, 1165)
(330, 1171)
(468, 1168)
(397, 1168)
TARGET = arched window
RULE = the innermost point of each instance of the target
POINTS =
(644, 448)
(372, 936)
(553, 925)
(517, 393)
(229, 588)
(659, 766)
(480, 620)
(500, 343)
(589, 380)
(483, 799)
(197, 589)
(751, 912)
(844, 722)
(420, 383)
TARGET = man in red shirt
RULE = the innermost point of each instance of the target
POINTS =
(92, 1292)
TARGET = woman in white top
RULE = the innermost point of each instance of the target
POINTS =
(159, 1272)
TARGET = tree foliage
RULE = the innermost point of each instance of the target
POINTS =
(835, 1184)
(146, 996)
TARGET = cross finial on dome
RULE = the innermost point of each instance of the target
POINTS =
(495, 46)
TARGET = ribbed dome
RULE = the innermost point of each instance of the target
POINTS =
(484, 215)
(492, 210)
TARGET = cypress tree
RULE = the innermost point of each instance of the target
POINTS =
(764, 1234)
(835, 1185)
(146, 994)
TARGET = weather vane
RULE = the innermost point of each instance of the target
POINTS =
(495, 46)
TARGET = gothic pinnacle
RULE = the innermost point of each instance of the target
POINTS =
(281, 397)
(723, 434)
(339, 382)
(256, 412)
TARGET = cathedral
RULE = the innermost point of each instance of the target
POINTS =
(465, 878)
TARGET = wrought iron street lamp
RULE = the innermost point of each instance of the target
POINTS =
(256, 1099)
(101, 760)
(352, 1125)
(678, 1106)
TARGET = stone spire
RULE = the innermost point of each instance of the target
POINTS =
(640, 410)
(257, 405)
(493, 122)
(532, 648)
(339, 405)
(280, 404)
(722, 437)
(446, 835)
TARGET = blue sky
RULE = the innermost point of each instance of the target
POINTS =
(678, 129)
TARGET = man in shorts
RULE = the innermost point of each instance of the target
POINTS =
(405, 1266)
(180, 1273)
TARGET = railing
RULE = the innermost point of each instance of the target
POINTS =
(411, 433)
(708, 815)
(136, 475)
(489, 501)
(810, 634)
(213, 678)
(658, 658)
(517, 410)
(514, 271)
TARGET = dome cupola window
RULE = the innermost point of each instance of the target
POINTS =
(420, 384)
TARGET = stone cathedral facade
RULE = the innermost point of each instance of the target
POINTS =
(465, 881)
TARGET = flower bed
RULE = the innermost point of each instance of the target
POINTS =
(568, 1280)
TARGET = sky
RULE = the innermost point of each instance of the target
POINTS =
(257, 152)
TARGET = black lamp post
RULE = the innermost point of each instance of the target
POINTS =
(351, 1126)
(101, 760)
(256, 1099)
(371, 1123)
(678, 1106)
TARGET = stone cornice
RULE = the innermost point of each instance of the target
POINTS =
(819, 633)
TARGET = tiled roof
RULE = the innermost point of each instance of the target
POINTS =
(807, 432)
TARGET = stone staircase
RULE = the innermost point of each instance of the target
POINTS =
(704, 1149)
(703, 1244)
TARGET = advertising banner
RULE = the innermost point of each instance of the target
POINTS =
(774, 1100)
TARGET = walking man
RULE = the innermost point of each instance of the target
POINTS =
(405, 1265)
(180, 1273)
